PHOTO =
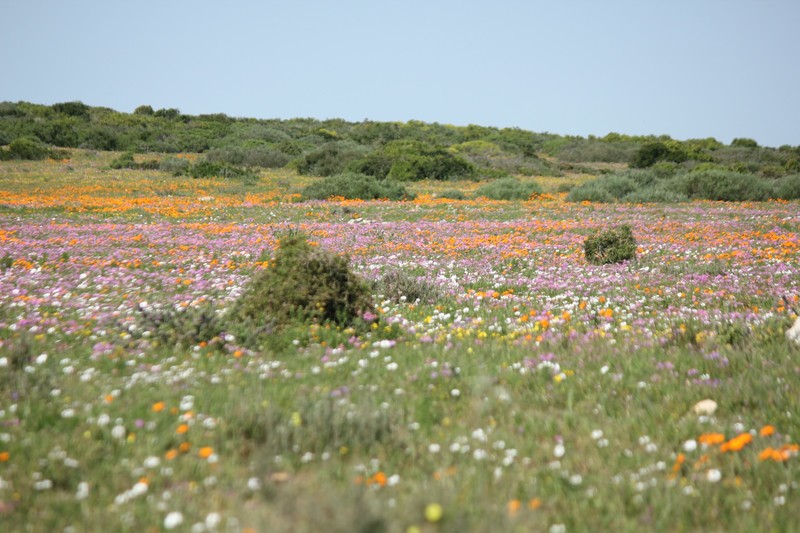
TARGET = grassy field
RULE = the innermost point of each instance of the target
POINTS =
(526, 390)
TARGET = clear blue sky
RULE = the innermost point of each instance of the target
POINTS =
(686, 68)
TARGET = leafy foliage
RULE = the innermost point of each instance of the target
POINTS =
(612, 245)
(307, 284)
(352, 185)
(509, 188)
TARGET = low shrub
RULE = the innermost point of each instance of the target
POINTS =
(330, 158)
(452, 194)
(304, 283)
(653, 152)
(251, 154)
(721, 186)
(213, 169)
(654, 195)
(509, 188)
(126, 160)
(604, 190)
(612, 245)
(182, 327)
(788, 188)
(173, 165)
(27, 148)
(398, 285)
(351, 185)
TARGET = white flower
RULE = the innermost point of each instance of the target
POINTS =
(41, 359)
(118, 432)
(173, 520)
(479, 454)
(434, 447)
(68, 413)
(213, 520)
(597, 434)
(690, 445)
(575, 479)
(559, 450)
(393, 480)
(455, 393)
(3, 362)
(391, 367)
(152, 462)
(83, 491)
(713, 475)
(253, 483)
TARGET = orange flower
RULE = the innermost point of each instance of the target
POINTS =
(737, 443)
(534, 503)
(183, 428)
(205, 452)
(171, 454)
(158, 407)
(184, 447)
(513, 507)
(378, 479)
(710, 439)
(4, 456)
(767, 430)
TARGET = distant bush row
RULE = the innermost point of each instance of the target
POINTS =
(643, 186)
(400, 151)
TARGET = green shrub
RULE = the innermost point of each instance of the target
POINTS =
(352, 186)
(126, 160)
(509, 188)
(744, 143)
(180, 327)
(398, 285)
(652, 152)
(408, 160)
(213, 169)
(612, 245)
(654, 195)
(721, 185)
(452, 194)
(788, 188)
(251, 154)
(28, 148)
(173, 165)
(304, 283)
(591, 191)
(330, 158)
(604, 190)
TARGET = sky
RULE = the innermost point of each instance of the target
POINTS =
(684, 68)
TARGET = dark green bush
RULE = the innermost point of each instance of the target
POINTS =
(721, 185)
(28, 148)
(744, 142)
(126, 160)
(304, 283)
(144, 110)
(612, 245)
(212, 169)
(73, 109)
(330, 158)
(652, 152)
(788, 188)
(509, 188)
(409, 160)
(352, 186)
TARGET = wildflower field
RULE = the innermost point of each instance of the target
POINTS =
(516, 388)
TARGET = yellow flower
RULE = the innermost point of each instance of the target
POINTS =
(433, 512)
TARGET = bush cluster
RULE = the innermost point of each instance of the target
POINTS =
(304, 283)
(509, 188)
(127, 160)
(352, 185)
(612, 245)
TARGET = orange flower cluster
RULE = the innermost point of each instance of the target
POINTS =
(779, 454)
(736, 443)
